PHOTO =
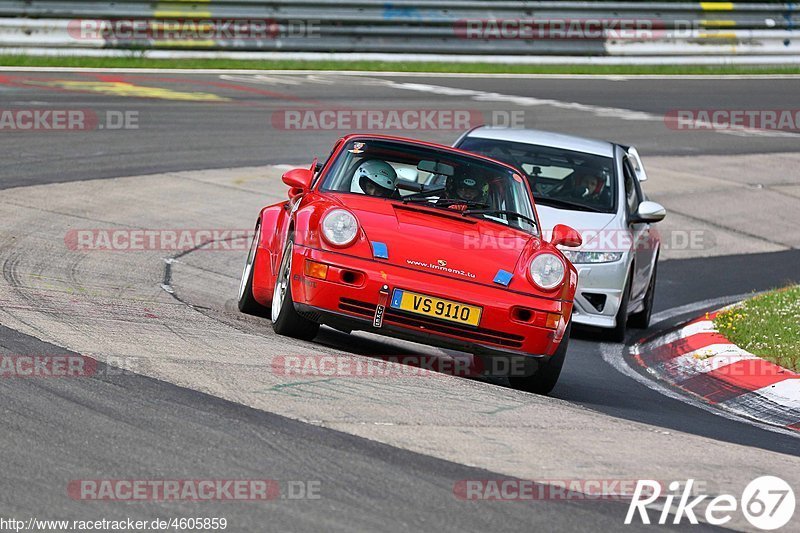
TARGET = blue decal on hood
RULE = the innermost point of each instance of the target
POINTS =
(380, 250)
(503, 278)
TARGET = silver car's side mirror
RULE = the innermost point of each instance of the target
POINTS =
(649, 212)
(636, 163)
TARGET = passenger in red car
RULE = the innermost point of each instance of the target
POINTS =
(471, 189)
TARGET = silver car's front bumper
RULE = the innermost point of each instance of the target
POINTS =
(599, 282)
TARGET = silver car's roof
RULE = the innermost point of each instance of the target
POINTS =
(546, 138)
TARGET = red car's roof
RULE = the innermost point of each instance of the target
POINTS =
(428, 144)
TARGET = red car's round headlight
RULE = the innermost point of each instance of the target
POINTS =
(547, 271)
(339, 227)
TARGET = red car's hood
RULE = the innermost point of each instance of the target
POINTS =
(438, 241)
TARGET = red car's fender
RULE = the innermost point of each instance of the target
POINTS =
(303, 220)
(565, 293)
(535, 246)
(307, 221)
(273, 221)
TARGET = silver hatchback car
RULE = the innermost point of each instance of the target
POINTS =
(595, 187)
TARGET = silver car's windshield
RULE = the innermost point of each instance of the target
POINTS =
(560, 178)
(427, 176)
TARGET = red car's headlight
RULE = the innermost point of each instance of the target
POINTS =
(546, 271)
(339, 227)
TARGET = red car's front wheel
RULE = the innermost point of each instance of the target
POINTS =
(546, 376)
(285, 320)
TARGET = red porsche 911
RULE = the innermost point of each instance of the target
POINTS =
(416, 241)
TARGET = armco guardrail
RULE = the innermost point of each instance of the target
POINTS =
(410, 26)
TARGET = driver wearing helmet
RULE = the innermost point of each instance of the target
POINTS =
(588, 186)
(470, 189)
(376, 178)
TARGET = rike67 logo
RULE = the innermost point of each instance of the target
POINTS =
(768, 503)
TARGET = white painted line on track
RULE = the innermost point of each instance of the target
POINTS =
(516, 59)
(696, 362)
(613, 354)
(786, 393)
(517, 100)
(704, 326)
(778, 403)
(596, 110)
(471, 75)
(667, 314)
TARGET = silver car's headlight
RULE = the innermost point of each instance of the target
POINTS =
(592, 257)
(339, 227)
(547, 271)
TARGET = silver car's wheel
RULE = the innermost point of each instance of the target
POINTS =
(617, 334)
(641, 320)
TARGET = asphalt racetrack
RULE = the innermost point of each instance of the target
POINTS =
(199, 400)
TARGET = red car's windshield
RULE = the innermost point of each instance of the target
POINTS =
(411, 173)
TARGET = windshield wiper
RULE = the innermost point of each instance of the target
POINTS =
(499, 212)
(447, 202)
(422, 195)
(565, 203)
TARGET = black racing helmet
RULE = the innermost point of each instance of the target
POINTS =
(468, 188)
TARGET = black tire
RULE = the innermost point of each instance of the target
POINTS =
(617, 334)
(641, 319)
(546, 376)
(285, 319)
(246, 302)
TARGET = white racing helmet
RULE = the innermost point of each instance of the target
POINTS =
(378, 172)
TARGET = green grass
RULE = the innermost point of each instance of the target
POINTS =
(767, 325)
(478, 68)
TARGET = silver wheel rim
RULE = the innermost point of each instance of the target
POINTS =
(248, 265)
(282, 283)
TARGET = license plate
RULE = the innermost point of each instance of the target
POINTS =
(436, 307)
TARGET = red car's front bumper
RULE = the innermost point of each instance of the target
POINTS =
(511, 323)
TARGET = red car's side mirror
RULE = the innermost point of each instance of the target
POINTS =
(299, 179)
(565, 236)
